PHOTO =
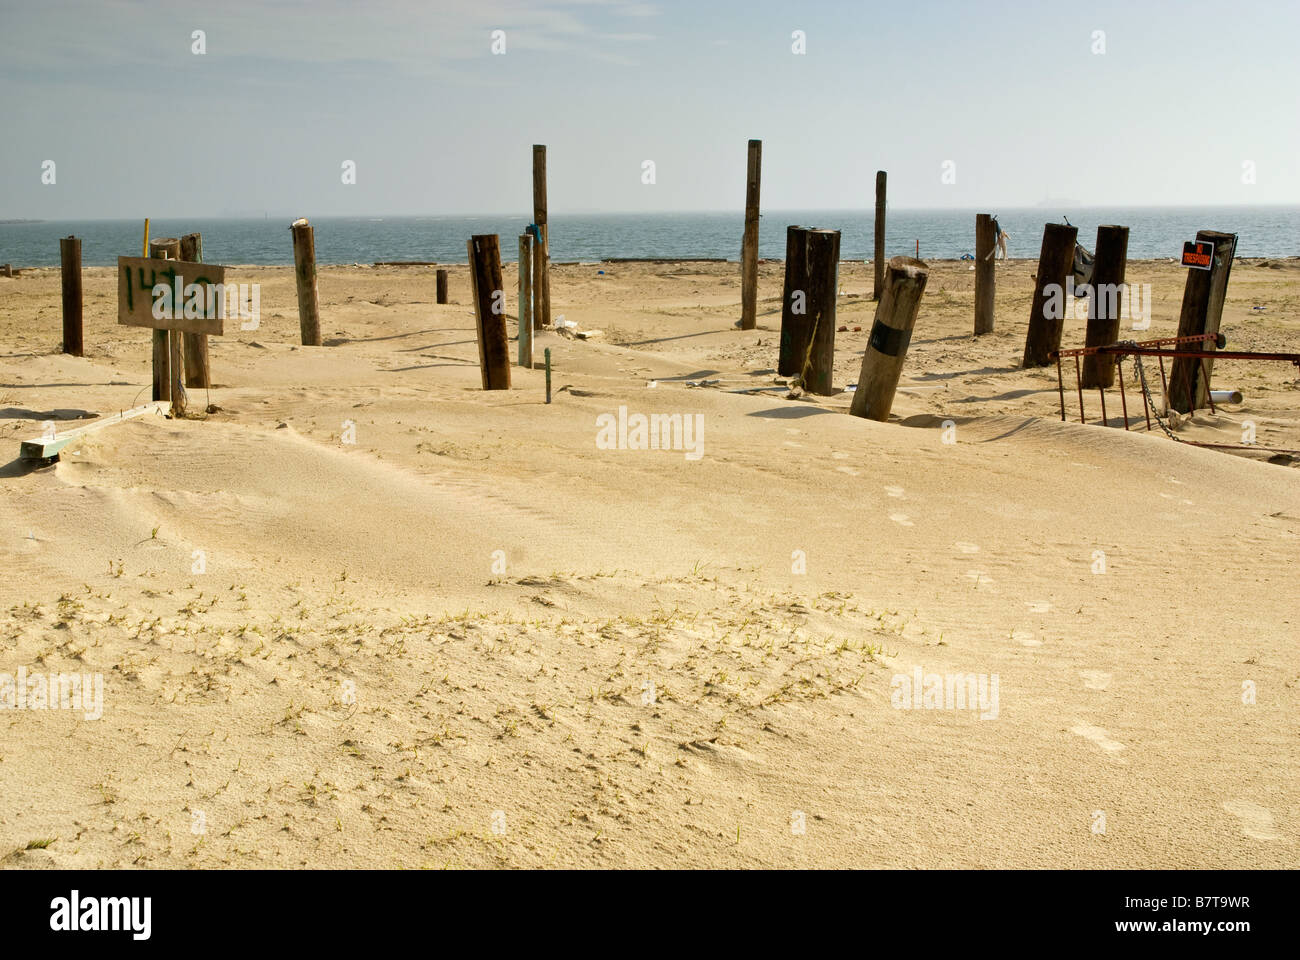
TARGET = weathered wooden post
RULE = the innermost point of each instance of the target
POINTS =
(749, 244)
(542, 278)
(7, 270)
(163, 248)
(794, 307)
(526, 300)
(304, 264)
(821, 251)
(539, 270)
(985, 273)
(1104, 305)
(441, 283)
(879, 261)
(197, 374)
(882, 363)
(1202, 312)
(1055, 265)
(489, 298)
(70, 274)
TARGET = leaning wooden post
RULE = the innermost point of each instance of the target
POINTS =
(749, 244)
(304, 262)
(879, 261)
(1047, 313)
(882, 363)
(163, 248)
(985, 273)
(70, 274)
(441, 284)
(196, 344)
(526, 300)
(541, 279)
(1104, 305)
(1202, 312)
(489, 298)
(821, 280)
(794, 304)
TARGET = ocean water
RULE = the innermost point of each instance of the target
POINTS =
(942, 234)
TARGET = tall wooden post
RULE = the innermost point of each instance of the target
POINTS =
(749, 245)
(70, 274)
(489, 310)
(794, 304)
(197, 374)
(1055, 264)
(163, 248)
(1203, 296)
(304, 263)
(821, 255)
(441, 284)
(882, 363)
(540, 319)
(526, 300)
(541, 279)
(879, 261)
(985, 273)
(1104, 305)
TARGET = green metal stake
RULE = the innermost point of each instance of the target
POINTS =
(548, 374)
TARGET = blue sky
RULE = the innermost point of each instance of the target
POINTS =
(1011, 93)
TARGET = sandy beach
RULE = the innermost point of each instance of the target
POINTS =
(364, 613)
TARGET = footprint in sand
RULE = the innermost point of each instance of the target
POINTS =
(1026, 638)
(1095, 679)
(900, 519)
(1098, 736)
(1256, 821)
(849, 470)
(965, 547)
(894, 492)
(1038, 606)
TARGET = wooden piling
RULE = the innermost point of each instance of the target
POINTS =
(749, 244)
(304, 262)
(1105, 301)
(1202, 312)
(985, 272)
(821, 278)
(794, 304)
(1055, 265)
(6, 270)
(163, 248)
(488, 294)
(539, 270)
(526, 300)
(542, 278)
(197, 374)
(891, 333)
(879, 262)
(70, 274)
(441, 284)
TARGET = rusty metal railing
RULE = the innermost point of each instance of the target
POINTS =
(1161, 349)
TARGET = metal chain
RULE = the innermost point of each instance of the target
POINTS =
(1146, 390)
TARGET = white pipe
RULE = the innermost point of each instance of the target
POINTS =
(1225, 396)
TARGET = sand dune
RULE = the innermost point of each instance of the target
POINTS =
(682, 662)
